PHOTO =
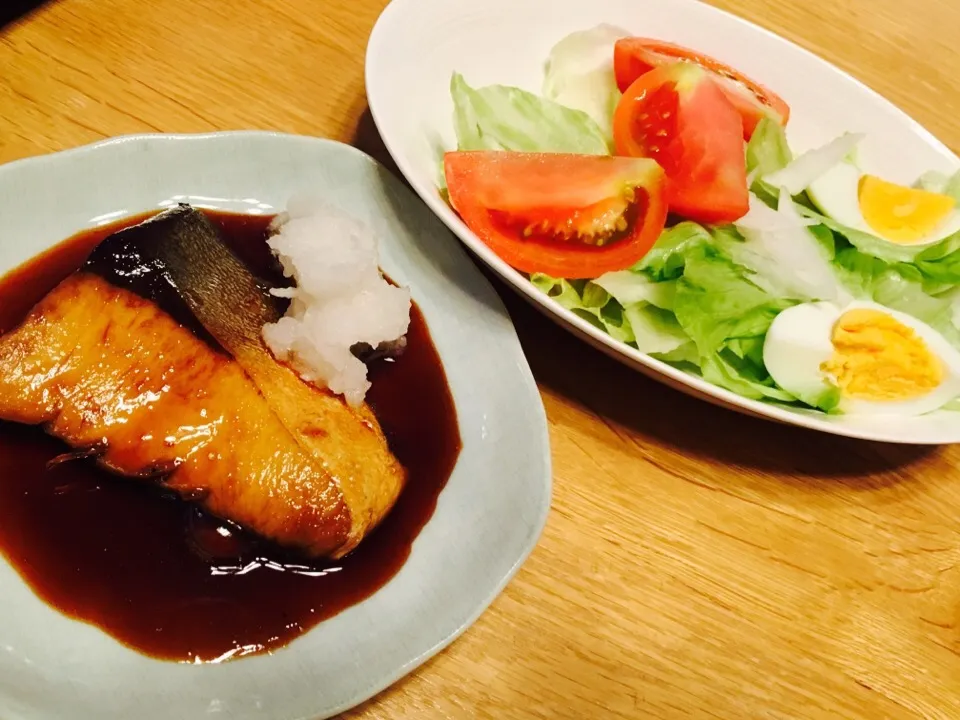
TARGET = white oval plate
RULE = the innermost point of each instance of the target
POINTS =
(488, 517)
(417, 44)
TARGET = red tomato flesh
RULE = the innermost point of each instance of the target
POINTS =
(633, 57)
(678, 116)
(565, 215)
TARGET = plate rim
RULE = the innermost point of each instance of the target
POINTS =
(633, 358)
(525, 376)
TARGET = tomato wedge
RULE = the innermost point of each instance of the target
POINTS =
(633, 57)
(569, 216)
(678, 116)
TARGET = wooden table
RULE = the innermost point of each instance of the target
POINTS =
(696, 563)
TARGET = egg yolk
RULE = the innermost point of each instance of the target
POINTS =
(876, 357)
(901, 214)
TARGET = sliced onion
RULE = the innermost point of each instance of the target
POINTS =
(799, 174)
(764, 219)
(784, 255)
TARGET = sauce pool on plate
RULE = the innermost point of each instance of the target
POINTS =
(159, 574)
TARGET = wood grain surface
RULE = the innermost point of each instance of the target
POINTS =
(696, 564)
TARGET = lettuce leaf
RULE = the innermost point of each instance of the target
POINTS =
(666, 259)
(588, 301)
(940, 263)
(655, 331)
(899, 293)
(826, 398)
(688, 304)
(767, 153)
(899, 286)
(940, 183)
(742, 377)
(629, 288)
(727, 316)
(768, 150)
(685, 357)
(936, 266)
(716, 303)
(869, 244)
(498, 117)
(722, 313)
(579, 74)
(859, 270)
(631, 312)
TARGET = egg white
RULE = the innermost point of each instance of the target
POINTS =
(799, 342)
(836, 194)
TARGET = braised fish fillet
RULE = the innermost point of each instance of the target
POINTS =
(150, 357)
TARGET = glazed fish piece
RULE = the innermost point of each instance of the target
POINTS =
(150, 356)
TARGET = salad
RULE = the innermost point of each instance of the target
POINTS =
(650, 189)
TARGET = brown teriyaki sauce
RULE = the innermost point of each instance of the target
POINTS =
(159, 574)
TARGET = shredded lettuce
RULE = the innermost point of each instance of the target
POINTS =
(498, 117)
(579, 73)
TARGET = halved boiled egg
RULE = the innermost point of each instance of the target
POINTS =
(896, 213)
(868, 358)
